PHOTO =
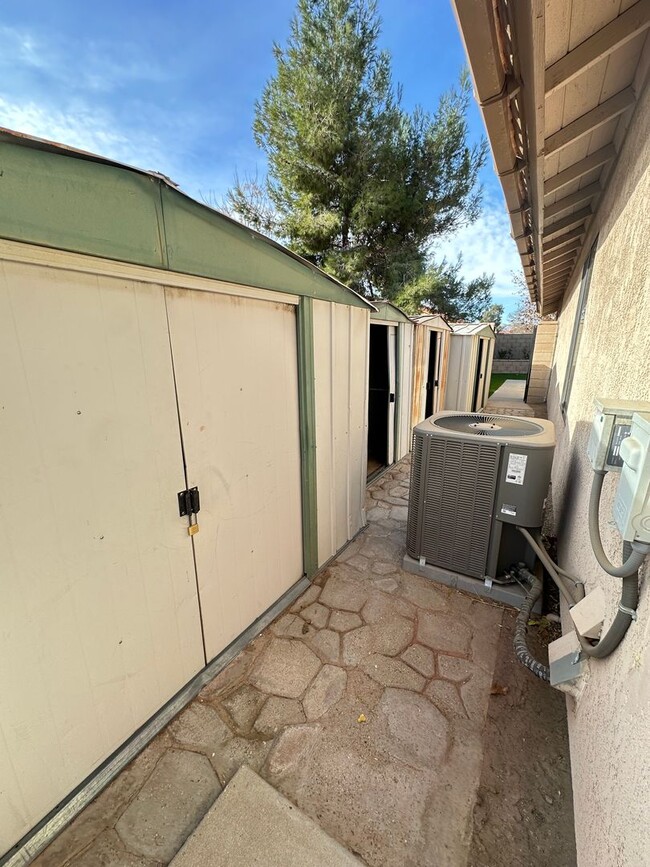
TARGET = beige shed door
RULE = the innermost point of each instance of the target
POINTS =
(237, 379)
(99, 615)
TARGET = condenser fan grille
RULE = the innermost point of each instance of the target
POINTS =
(478, 424)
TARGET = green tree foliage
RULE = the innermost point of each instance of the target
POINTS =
(494, 314)
(441, 288)
(249, 201)
(359, 186)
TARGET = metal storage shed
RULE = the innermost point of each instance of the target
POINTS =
(150, 345)
(430, 365)
(389, 386)
(470, 366)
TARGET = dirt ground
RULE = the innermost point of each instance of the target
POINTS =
(523, 814)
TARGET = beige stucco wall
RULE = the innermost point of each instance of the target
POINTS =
(609, 724)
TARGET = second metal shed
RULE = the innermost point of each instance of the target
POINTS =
(470, 366)
(430, 362)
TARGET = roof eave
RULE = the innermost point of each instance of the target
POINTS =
(520, 169)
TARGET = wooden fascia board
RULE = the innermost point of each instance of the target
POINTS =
(602, 43)
(477, 28)
(529, 35)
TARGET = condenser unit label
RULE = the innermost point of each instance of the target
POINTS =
(516, 471)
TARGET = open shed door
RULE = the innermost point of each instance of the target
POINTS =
(98, 599)
(392, 390)
(236, 366)
(479, 376)
(432, 385)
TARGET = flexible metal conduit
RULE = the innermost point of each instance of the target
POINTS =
(522, 651)
(633, 561)
(633, 556)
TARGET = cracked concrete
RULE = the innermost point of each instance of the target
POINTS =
(364, 704)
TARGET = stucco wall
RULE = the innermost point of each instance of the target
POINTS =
(609, 724)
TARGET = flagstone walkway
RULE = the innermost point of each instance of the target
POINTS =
(364, 704)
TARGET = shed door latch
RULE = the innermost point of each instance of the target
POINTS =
(189, 504)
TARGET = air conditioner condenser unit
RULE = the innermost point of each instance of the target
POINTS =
(474, 479)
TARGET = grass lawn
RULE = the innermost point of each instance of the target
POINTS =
(498, 379)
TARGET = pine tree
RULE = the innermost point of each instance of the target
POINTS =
(359, 186)
(494, 314)
(441, 288)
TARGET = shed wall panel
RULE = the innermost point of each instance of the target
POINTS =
(405, 390)
(341, 388)
(100, 619)
(236, 369)
(421, 346)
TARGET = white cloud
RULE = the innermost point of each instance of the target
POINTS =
(89, 130)
(98, 131)
(109, 99)
(89, 65)
(486, 247)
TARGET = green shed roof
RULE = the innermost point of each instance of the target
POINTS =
(387, 312)
(56, 196)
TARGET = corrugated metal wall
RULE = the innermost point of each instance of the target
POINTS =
(405, 350)
(421, 343)
(341, 393)
(100, 613)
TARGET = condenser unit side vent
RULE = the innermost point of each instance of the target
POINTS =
(417, 493)
(460, 484)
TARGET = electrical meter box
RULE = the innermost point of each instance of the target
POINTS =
(612, 424)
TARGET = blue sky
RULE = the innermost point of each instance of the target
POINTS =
(172, 86)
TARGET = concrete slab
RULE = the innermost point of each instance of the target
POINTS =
(512, 389)
(252, 824)
(508, 399)
(169, 806)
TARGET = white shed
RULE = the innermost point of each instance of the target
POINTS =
(184, 423)
(390, 375)
(430, 365)
(470, 366)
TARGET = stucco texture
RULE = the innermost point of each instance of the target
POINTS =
(609, 724)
